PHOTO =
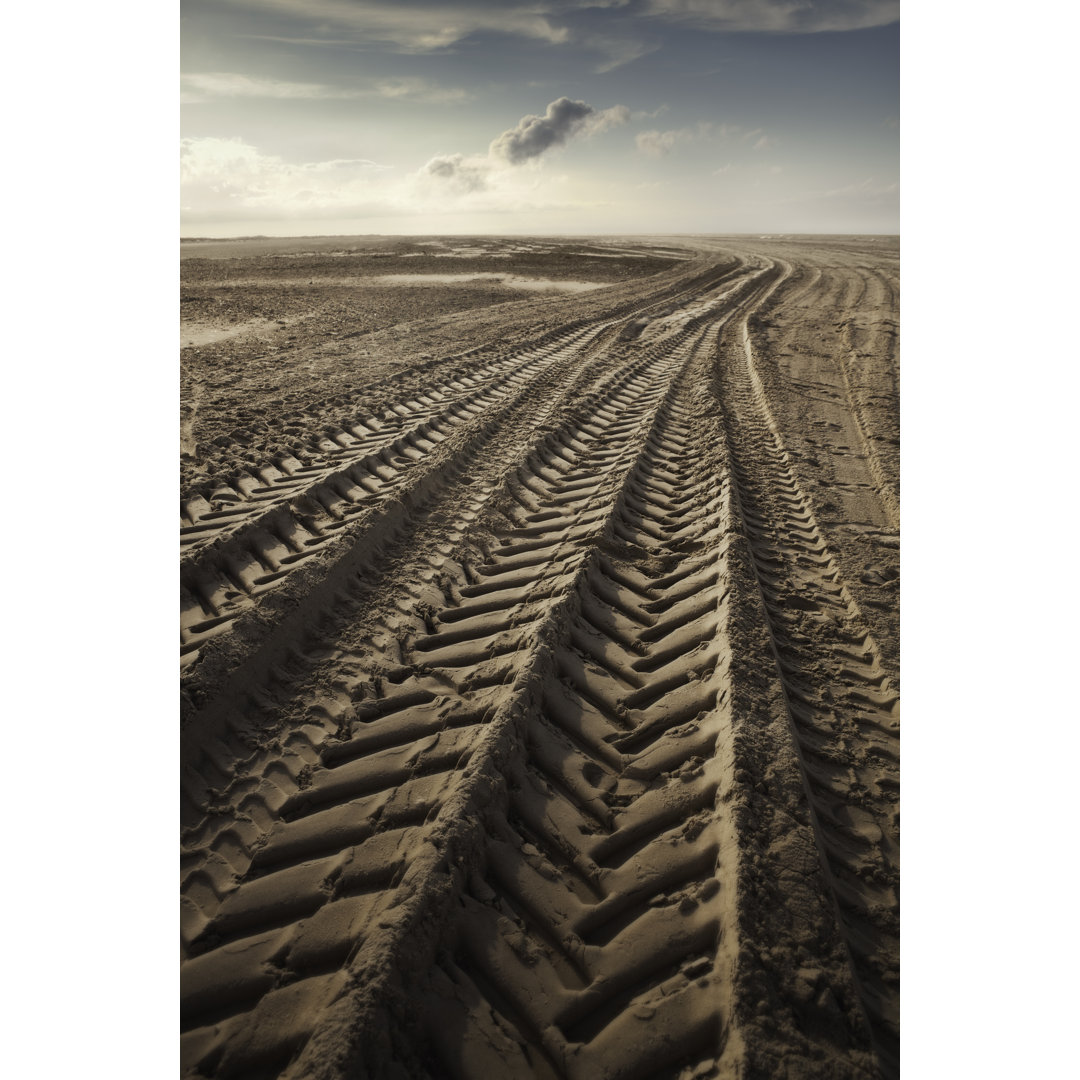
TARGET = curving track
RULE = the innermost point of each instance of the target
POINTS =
(532, 727)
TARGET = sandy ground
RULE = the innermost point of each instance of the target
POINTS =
(278, 338)
(539, 658)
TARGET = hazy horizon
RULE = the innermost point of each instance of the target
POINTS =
(194, 238)
(567, 117)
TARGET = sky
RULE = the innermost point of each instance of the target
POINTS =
(580, 117)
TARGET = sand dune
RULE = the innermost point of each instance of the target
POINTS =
(540, 696)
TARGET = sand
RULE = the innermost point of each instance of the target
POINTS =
(539, 659)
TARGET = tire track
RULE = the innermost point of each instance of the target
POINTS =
(205, 743)
(219, 771)
(477, 798)
(408, 766)
(836, 405)
(400, 429)
(431, 715)
(842, 706)
(207, 518)
(595, 946)
(261, 547)
(356, 1033)
(319, 592)
(858, 341)
(257, 549)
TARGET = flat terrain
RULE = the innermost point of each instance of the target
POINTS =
(539, 658)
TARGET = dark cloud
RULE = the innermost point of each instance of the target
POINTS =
(423, 25)
(562, 120)
(607, 34)
(773, 15)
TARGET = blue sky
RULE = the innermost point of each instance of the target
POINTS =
(565, 116)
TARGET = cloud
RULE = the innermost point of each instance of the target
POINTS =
(657, 144)
(864, 189)
(461, 174)
(228, 183)
(562, 121)
(495, 175)
(413, 89)
(620, 28)
(196, 88)
(618, 50)
(786, 16)
(201, 159)
(415, 27)
(222, 178)
(615, 32)
(763, 143)
(603, 119)
(216, 159)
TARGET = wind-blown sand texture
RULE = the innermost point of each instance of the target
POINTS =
(539, 661)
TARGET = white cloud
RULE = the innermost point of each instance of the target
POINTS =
(603, 119)
(229, 178)
(641, 114)
(864, 189)
(658, 144)
(210, 158)
(196, 88)
(412, 89)
(619, 51)
(229, 182)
